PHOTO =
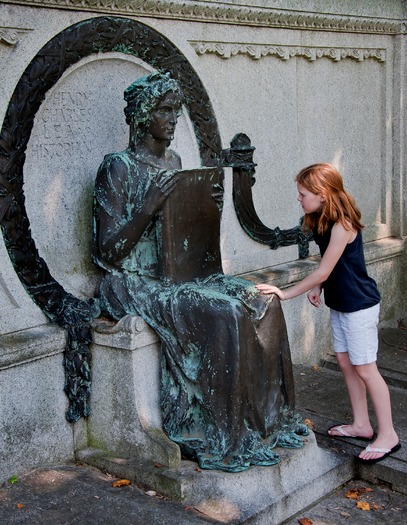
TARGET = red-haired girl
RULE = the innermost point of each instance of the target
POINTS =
(354, 301)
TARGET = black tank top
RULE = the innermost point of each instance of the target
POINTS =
(348, 288)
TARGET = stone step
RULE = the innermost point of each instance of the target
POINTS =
(259, 496)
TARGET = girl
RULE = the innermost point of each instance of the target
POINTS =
(333, 217)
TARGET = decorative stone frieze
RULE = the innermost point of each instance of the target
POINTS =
(258, 51)
(222, 12)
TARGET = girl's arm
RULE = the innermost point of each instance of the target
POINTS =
(340, 237)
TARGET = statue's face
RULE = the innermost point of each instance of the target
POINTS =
(164, 117)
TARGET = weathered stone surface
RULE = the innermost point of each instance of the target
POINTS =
(260, 495)
(33, 427)
(17, 311)
(125, 418)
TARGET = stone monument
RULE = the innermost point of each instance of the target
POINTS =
(276, 71)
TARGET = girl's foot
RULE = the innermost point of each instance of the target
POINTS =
(349, 431)
(382, 447)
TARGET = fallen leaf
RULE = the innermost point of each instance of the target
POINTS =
(345, 514)
(121, 483)
(309, 423)
(305, 521)
(197, 469)
(20, 506)
(363, 505)
(352, 494)
(13, 479)
(377, 507)
(365, 489)
(315, 368)
(158, 465)
(151, 493)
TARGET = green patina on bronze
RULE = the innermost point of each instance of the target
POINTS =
(227, 393)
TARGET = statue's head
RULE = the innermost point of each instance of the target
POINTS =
(143, 95)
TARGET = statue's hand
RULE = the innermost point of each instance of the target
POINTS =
(161, 187)
(166, 181)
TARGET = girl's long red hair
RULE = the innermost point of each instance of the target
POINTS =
(339, 206)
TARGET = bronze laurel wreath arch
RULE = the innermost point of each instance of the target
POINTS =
(97, 35)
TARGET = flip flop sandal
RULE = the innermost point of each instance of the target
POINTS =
(344, 434)
(385, 451)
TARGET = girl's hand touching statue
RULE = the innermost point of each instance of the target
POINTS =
(314, 295)
(269, 289)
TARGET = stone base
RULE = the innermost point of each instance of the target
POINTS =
(125, 414)
(33, 428)
(260, 495)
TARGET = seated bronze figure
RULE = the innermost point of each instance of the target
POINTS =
(227, 393)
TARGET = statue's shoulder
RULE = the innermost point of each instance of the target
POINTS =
(117, 157)
(116, 164)
(114, 169)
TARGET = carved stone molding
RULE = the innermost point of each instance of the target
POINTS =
(10, 35)
(258, 51)
(228, 13)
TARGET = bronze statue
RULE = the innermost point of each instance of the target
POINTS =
(227, 392)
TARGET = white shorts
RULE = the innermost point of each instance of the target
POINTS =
(356, 333)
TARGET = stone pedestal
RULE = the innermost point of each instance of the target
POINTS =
(125, 415)
(126, 439)
(33, 428)
(259, 496)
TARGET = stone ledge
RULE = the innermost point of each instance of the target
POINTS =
(29, 345)
(283, 275)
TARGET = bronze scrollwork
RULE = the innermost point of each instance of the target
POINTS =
(240, 157)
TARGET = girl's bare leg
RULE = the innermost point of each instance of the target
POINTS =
(356, 387)
(380, 396)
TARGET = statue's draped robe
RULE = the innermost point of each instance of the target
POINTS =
(226, 375)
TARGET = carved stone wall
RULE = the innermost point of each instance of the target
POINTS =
(305, 85)
(251, 13)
